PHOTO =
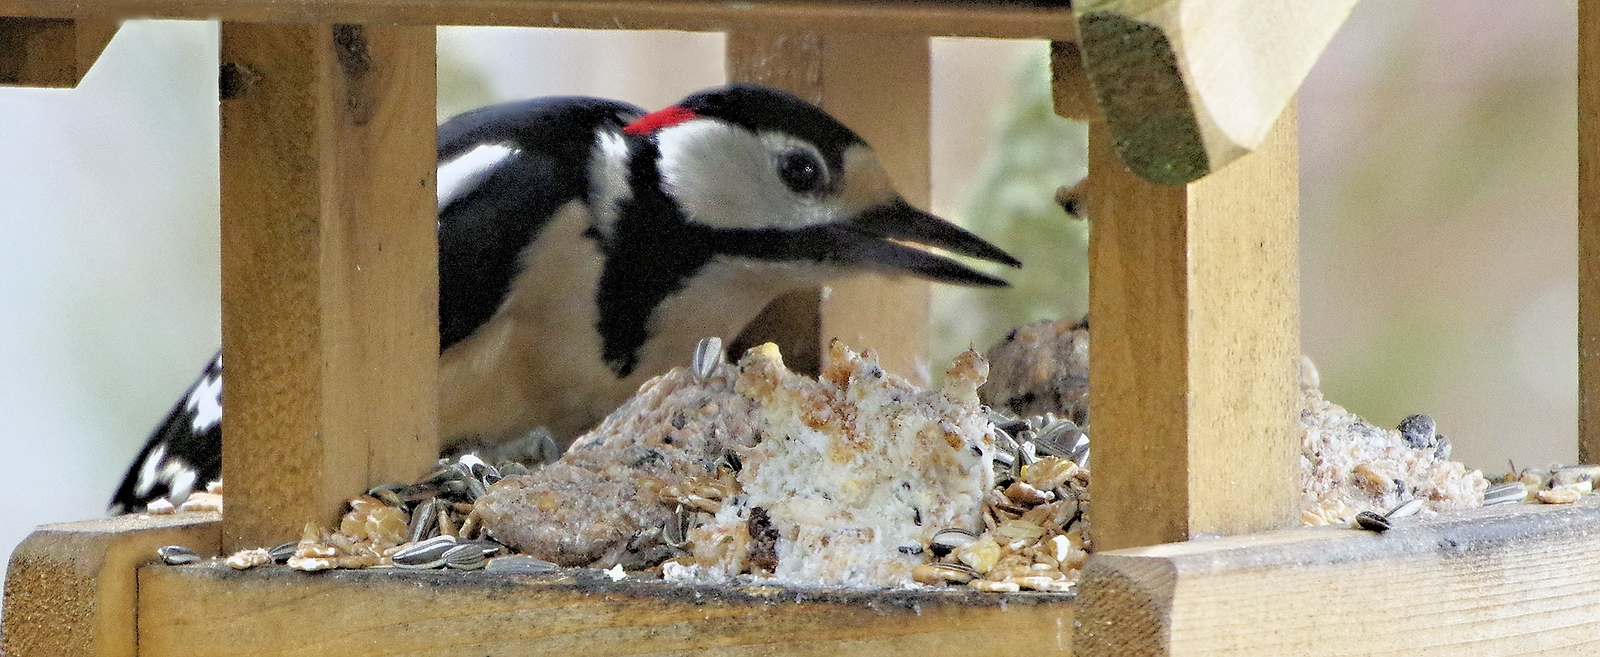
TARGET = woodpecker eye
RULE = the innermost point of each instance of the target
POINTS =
(801, 171)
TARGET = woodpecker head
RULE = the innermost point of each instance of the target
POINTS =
(773, 178)
(750, 177)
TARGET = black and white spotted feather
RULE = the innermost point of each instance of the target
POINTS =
(185, 452)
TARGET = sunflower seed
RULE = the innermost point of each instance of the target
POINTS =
(417, 554)
(177, 555)
(389, 494)
(1372, 522)
(1059, 438)
(417, 492)
(707, 356)
(422, 519)
(282, 553)
(464, 557)
(1408, 508)
(475, 489)
(676, 532)
(489, 548)
(946, 540)
(940, 573)
(520, 563)
(1515, 491)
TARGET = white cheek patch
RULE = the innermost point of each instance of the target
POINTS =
(462, 174)
(723, 176)
(608, 181)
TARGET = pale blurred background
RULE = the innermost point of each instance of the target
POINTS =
(1438, 218)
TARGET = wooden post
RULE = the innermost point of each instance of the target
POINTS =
(329, 269)
(1588, 231)
(1193, 299)
(878, 85)
(51, 52)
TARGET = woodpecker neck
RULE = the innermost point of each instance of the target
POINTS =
(651, 251)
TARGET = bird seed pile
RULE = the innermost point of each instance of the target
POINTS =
(752, 473)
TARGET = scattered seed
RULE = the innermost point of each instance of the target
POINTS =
(1372, 522)
(464, 557)
(177, 555)
(1558, 496)
(520, 563)
(1409, 508)
(425, 552)
(707, 356)
(283, 551)
(946, 540)
(1515, 491)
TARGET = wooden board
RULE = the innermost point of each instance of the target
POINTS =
(51, 52)
(1194, 300)
(211, 610)
(1069, 84)
(329, 269)
(993, 19)
(70, 587)
(878, 86)
(1589, 231)
(1508, 580)
(1191, 85)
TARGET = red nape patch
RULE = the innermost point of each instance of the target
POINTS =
(661, 118)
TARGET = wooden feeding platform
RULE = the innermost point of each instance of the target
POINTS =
(328, 208)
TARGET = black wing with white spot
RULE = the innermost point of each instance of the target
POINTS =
(184, 454)
(504, 171)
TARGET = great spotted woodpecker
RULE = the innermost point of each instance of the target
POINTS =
(585, 246)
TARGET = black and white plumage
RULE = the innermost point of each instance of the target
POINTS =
(585, 246)
(184, 452)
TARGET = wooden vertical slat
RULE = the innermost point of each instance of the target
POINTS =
(1589, 231)
(329, 269)
(51, 52)
(1194, 303)
(877, 85)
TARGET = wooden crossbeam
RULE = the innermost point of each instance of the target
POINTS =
(211, 610)
(1014, 20)
(1194, 303)
(329, 269)
(1191, 85)
(877, 85)
(51, 52)
(1511, 580)
(71, 588)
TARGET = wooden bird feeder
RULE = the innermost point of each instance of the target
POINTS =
(328, 316)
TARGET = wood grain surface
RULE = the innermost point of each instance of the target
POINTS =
(51, 52)
(329, 269)
(1023, 20)
(211, 610)
(1194, 300)
(1507, 580)
(71, 588)
(1589, 231)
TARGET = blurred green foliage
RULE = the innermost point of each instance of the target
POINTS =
(1033, 154)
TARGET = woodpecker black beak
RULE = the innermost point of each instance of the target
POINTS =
(897, 220)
